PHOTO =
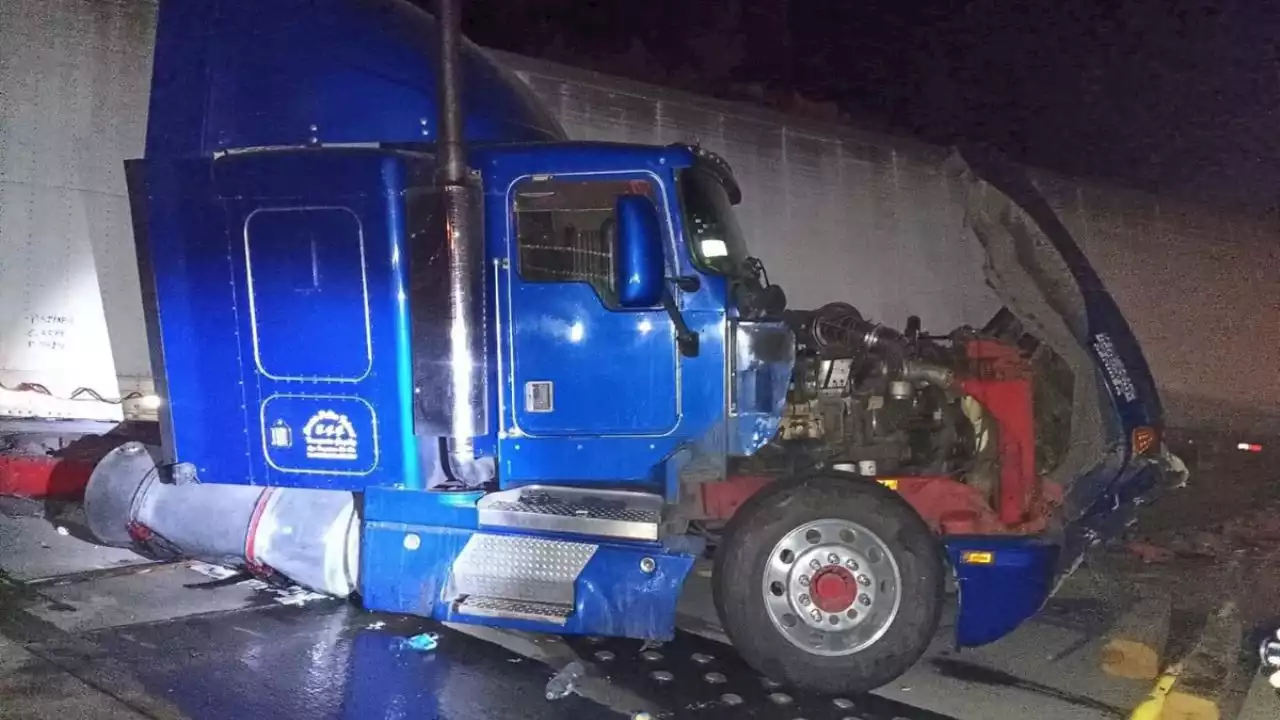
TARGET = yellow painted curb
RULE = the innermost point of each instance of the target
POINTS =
(1153, 707)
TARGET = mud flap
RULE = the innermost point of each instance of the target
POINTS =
(1003, 581)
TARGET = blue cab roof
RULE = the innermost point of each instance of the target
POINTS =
(234, 74)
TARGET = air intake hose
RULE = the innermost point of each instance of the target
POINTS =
(311, 537)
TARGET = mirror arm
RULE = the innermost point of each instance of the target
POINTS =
(685, 338)
(687, 283)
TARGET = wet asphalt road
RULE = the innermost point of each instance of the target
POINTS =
(331, 661)
(322, 663)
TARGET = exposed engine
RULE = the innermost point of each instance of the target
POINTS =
(869, 399)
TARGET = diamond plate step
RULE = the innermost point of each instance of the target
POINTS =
(481, 606)
(519, 568)
(599, 513)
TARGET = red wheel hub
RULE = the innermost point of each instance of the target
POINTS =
(833, 589)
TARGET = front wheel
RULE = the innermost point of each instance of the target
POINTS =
(829, 584)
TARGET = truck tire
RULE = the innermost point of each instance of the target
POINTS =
(833, 584)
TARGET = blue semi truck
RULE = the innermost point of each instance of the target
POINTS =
(418, 348)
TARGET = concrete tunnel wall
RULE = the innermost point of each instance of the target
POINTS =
(835, 213)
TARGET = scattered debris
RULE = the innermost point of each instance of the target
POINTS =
(565, 682)
(376, 625)
(1150, 552)
(651, 645)
(63, 531)
(217, 572)
(424, 642)
(297, 597)
(292, 595)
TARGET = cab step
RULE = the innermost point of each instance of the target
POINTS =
(616, 514)
(518, 576)
(494, 607)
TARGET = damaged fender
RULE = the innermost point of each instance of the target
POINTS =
(1003, 581)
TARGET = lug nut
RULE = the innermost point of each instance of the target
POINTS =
(816, 614)
(815, 564)
(865, 600)
(804, 599)
(863, 580)
(804, 580)
(851, 564)
(833, 558)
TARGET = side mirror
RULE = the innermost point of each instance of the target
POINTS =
(639, 268)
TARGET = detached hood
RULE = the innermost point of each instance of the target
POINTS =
(1044, 279)
(1098, 411)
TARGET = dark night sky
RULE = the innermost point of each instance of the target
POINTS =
(1178, 96)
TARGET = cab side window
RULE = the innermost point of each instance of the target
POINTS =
(565, 230)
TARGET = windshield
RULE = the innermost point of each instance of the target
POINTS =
(714, 236)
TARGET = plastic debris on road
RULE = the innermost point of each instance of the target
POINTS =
(565, 681)
(425, 642)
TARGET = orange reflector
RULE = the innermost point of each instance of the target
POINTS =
(890, 483)
(1145, 439)
(977, 557)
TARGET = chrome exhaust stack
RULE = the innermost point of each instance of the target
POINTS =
(450, 379)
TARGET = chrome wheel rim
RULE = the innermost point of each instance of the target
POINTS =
(831, 587)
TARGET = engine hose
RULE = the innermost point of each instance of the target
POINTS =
(840, 328)
(891, 347)
(938, 376)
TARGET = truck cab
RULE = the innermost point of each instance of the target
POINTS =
(503, 401)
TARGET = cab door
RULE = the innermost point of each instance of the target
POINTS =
(580, 364)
